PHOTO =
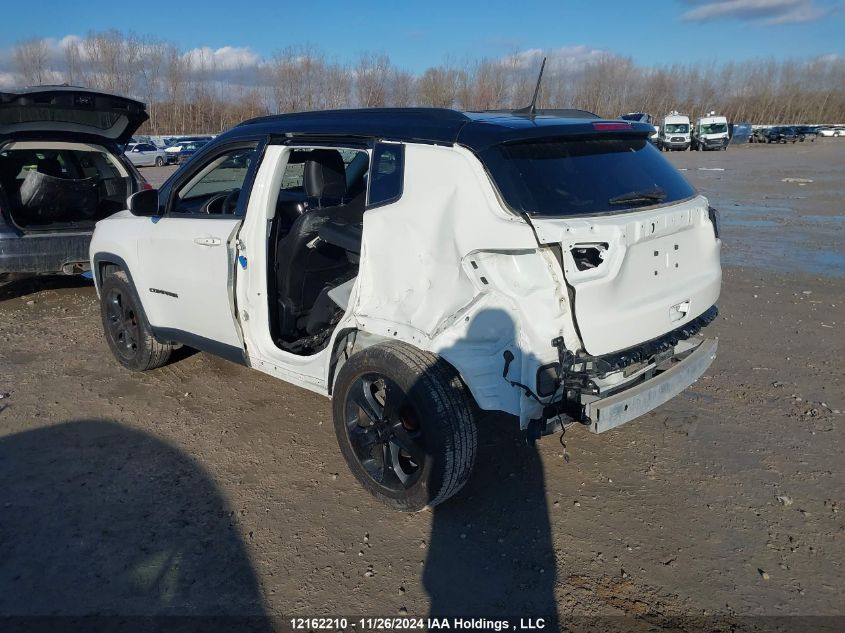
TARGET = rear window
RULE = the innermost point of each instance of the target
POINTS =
(387, 174)
(584, 177)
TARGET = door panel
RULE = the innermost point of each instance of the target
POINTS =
(187, 272)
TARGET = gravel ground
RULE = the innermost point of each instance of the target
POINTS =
(207, 488)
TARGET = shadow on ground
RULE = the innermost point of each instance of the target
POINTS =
(491, 552)
(19, 286)
(99, 519)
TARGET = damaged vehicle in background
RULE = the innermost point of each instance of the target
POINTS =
(61, 170)
(421, 266)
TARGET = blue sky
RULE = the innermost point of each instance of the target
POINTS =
(420, 34)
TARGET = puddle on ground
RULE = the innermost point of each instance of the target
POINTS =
(778, 238)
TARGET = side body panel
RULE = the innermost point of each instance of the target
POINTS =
(448, 270)
(184, 286)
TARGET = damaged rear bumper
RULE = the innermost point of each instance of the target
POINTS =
(612, 411)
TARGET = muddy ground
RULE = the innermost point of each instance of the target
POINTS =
(207, 488)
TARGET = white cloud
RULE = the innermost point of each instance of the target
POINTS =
(767, 12)
(567, 58)
(225, 58)
(9, 80)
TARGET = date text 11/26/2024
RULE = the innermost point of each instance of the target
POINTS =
(416, 624)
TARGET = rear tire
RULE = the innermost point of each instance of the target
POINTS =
(125, 325)
(405, 423)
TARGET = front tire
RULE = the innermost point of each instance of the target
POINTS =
(405, 423)
(159, 161)
(125, 325)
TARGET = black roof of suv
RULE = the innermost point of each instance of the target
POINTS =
(476, 130)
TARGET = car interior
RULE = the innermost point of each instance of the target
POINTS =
(215, 189)
(58, 188)
(314, 244)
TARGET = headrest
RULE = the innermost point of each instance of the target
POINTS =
(50, 167)
(325, 175)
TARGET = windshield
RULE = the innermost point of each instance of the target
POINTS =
(677, 128)
(556, 177)
(714, 128)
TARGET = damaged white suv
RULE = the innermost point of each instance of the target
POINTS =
(419, 266)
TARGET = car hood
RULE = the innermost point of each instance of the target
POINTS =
(70, 110)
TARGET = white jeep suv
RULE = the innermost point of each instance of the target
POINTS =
(419, 266)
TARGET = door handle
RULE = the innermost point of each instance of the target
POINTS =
(208, 241)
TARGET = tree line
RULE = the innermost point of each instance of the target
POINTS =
(205, 91)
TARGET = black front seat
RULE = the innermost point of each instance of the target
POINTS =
(302, 271)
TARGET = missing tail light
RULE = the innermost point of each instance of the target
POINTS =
(587, 256)
(548, 379)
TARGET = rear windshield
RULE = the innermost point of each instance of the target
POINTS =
(584, 177)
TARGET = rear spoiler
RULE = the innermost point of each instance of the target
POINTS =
(472, 135)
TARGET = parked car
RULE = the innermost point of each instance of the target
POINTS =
(780, 134)
(419, 266)
(146, 155)
(188, 149)
(61, 170)
(174, 145)
(758, 135)
(805, 132)
(831, 130)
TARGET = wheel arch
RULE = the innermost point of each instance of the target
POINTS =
(99, 263)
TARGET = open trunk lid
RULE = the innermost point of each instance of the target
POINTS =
(638, 247)
(69, 110)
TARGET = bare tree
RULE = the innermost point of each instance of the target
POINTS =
(403, 88)
(372, 75)
(74, 71)
(192, 92)
(32, 61)
(438, 87)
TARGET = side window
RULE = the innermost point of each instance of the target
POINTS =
(292, 178)
(388, 172)
(214, 189)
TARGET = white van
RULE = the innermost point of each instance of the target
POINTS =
(710, 132)
(674, 132)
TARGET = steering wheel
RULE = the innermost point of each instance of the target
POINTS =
(223, 203)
